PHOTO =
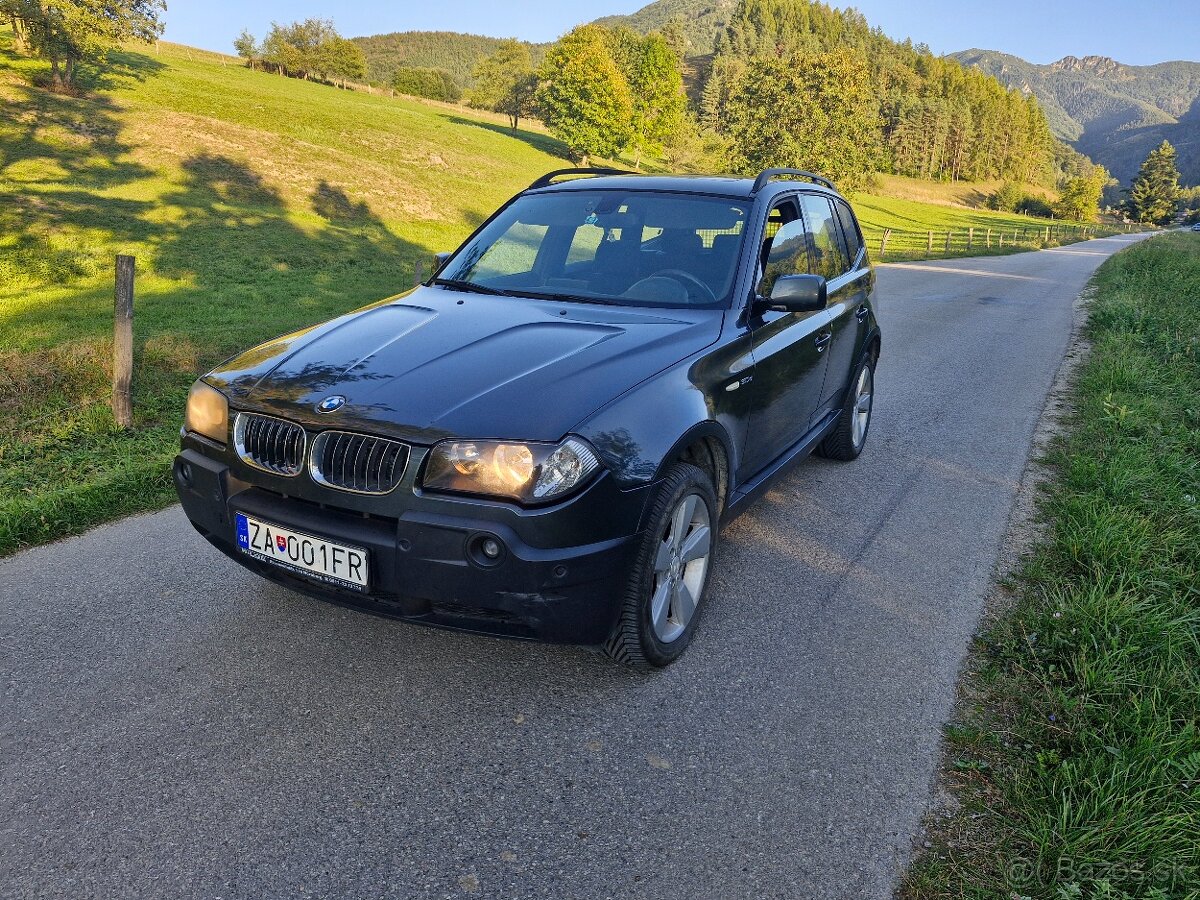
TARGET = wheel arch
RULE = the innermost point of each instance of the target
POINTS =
(707, 446)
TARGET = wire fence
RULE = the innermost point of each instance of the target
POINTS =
(897, 245)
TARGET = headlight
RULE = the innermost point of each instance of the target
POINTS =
(207, 412)
(530, 473)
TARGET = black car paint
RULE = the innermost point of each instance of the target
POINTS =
(640, 384)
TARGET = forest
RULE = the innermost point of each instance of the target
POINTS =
(931, 117)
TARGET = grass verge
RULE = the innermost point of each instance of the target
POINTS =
(1074, 766)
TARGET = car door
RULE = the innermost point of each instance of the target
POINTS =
(789, 348)
(829, 255)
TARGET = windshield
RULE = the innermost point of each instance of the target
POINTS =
(634, 248)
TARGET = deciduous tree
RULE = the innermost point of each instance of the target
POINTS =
(819, 112)
(656, 83)
(71, 33)
(584, 97)
(247, 47)
(505, 82)
(1081, 194)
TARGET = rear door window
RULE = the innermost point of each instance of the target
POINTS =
(827, 253)
(849, 229)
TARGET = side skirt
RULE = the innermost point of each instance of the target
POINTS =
(752, 488)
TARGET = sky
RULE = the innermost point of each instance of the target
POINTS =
(1041, 31)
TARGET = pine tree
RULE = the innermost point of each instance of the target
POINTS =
(1152, 196)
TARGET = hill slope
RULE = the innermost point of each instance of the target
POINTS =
(700, 20)
(1109, 111)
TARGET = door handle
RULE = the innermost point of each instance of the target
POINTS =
(861, 313)
(822, 340)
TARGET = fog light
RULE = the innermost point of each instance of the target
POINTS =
(491, 548)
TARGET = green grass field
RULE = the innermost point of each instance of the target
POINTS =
(1077, 758)
(254, 205)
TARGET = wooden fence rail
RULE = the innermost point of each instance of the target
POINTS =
(897, 245)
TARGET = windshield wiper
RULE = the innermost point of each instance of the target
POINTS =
(472, 287)
(570, 298)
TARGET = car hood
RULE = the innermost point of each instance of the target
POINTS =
(438, 363)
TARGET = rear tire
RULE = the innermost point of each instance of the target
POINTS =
(849, 435)
(670, 576)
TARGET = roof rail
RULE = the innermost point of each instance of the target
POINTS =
(549, 177)
(767, 174)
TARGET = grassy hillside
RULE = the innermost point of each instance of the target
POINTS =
(1111, 112)
(255, 205)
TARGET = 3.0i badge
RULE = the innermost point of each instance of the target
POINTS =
(332, 403)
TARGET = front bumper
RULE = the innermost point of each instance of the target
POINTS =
(422, 567)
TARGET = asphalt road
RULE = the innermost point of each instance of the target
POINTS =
(174, 726)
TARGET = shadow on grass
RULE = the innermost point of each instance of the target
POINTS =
(544, 142)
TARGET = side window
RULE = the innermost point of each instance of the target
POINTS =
(784, 250)
(854, 240)
(825, 248)
(585, 243)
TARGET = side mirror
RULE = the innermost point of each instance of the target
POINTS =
(796, 293)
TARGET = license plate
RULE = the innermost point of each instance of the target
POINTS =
(305, 554)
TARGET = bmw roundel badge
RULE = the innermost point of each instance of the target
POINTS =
(331, 404)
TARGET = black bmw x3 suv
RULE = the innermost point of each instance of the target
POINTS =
(544, 439)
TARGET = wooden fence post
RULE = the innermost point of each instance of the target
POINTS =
(887, 233)
(970, 237)
(929, 246)
(1000, 236)
(948, 233)
(1047, 234)
(122, 397)
(989, 239)
(418, 272)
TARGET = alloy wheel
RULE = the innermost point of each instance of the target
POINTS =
(680, 568)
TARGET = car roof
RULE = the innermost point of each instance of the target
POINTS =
(717, 185)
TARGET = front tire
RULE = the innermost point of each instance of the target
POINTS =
(849, 435)
(669, 581)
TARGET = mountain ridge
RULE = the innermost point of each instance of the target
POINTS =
(1113, 112)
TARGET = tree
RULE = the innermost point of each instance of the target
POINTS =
(71, 33)
(505, 82)
(434, 84)
(584, 98)
(246, 47)
(1007, 197)
(1152, 196)
(1081, 194)
(811, 112)
(339, 59)
(659, 104)
(295, 49)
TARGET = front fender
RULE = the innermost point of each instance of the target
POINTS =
(643, 431)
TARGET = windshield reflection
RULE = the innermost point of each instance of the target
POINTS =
(634, 248)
